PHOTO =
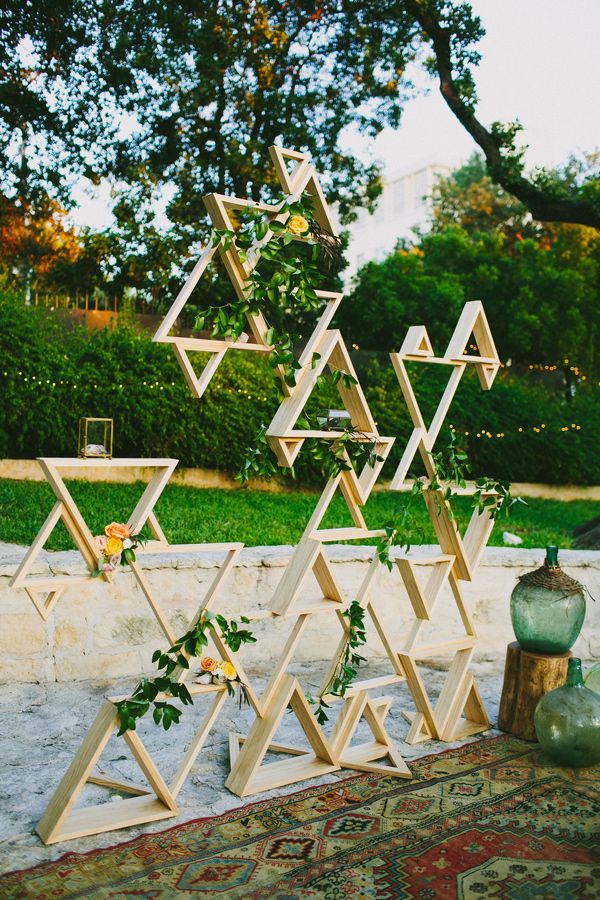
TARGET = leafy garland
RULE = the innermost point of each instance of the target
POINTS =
(451, 467)
(290, 281)
(191, 643)
(348, 661)
(349, 449)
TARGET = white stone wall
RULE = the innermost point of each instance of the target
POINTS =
(103, 631)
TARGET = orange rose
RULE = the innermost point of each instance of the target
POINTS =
(114, 546)
(116, 530)
(208, 664)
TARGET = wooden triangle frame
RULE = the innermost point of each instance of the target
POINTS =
(219, 206)
(248, 776)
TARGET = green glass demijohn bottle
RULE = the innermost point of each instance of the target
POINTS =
(547, 608)
(567, 722)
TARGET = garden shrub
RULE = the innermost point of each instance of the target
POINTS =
(52, 372)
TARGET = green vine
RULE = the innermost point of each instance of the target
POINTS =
(451, 469)
(283, 279)
(349, 449)
(348, 661)
(191, 643)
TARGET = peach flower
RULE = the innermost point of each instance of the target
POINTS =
(116, 530)
(208, 664)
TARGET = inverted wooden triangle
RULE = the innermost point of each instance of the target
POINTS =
(423, 437)
(61, 822)
(332, 353)
(248, 773)
(290, 176)
(424, 596)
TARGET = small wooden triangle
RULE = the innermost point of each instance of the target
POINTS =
(363, 757)
(417, 343)
(248, 775)
(423, 598)
(467, 714)
(309, 556)
(281, 157)
(473, 327)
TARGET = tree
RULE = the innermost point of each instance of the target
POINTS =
(540, 282)
(171, 101)
(451, 30)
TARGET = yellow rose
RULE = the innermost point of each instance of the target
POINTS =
(114, 546)
(228, 670)
(208, 664)
(297, 225)
(116, 530)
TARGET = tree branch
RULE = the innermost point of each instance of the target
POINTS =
(542, 204)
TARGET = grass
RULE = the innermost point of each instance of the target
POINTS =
(190, 515)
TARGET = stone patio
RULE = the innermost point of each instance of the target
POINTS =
(42, 725)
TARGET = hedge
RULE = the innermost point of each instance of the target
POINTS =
(52, 372)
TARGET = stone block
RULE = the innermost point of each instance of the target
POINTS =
(26, 670)
(23, 634)
(71, 666)
(71, 634)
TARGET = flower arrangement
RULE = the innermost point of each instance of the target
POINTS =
(212, 671)
(118, 545)
(154, 692)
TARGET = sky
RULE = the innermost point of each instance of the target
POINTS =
(540, 64)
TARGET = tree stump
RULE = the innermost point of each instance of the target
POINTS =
(527, 677)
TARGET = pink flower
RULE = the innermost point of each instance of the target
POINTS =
(107, 568)
(101, 541)
(115, 560)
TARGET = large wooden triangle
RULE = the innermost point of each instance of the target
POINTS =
(248, 775)
(333, 354)
(45, 591)
(423, 438)
(61, 822)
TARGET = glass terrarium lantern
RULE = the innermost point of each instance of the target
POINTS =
(95, 438)
(334, 420)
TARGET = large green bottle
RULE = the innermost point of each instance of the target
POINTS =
(567, 722)
(547, 608)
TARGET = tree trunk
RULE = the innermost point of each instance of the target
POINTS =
(527, 677)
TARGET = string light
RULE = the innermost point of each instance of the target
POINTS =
(152, 385)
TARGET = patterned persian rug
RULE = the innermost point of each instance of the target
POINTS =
(491, 819)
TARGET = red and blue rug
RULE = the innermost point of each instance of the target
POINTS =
(491, 819)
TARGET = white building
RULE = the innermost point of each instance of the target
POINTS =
(405, 203)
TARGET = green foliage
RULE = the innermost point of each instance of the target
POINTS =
(169, 663)
(451, 469)
(53, 372)
(348, 661)
(541, 296)
(258, 518)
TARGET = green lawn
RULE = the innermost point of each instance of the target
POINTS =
(195, 515)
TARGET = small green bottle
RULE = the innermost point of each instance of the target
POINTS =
(547, 608)
(567, 722)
